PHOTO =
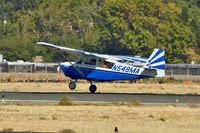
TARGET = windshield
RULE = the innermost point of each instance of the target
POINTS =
(90, 61)
(80, 60)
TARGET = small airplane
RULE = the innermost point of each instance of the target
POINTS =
(102, 67)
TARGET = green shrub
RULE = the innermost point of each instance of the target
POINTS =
(162, 119)
(134, 102)
(7, 129)
(151, 116)
(67, 131)
(65, 101)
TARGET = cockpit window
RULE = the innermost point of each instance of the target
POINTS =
(89, 61)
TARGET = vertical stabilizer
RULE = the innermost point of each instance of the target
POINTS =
(157, 61)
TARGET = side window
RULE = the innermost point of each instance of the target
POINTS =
(130, 63)
(100, 62)
(89, 61)
(106, 64)
(122, 61)
(93, 62)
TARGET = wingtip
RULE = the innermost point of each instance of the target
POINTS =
(40, 43)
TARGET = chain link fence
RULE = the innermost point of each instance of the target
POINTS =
(29, 72)
(189, 72)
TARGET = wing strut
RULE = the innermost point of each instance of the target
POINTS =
(76, 68)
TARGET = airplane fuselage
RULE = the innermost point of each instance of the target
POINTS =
(93, 73)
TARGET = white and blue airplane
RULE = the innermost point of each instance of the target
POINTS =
(101, 67)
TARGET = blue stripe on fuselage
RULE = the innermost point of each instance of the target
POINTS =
(99, 75)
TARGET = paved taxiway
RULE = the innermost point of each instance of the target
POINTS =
(54, 97)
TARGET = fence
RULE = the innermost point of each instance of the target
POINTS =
(176, 71)
(28, 71)
(28, 67)
(189, 72)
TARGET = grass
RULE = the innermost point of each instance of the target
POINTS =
(151, 116)
(100, 119)
(105, 117)
(67, 131)
(54, 117)
(28, 77)
(167, 88)
(162, 119)
(65, 101)
(134, 102)
(7, 129)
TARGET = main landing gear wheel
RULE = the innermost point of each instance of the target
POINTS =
(72, 85)
(93, 88)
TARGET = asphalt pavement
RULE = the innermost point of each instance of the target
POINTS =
(79, 97)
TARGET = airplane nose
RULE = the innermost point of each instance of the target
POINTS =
(64, 66)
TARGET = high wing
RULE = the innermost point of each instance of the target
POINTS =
(74, 50)
(129, 58)
(115, 57)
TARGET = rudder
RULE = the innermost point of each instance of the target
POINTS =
(157, 61)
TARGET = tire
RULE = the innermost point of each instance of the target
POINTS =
(92, 88)
(72, 85)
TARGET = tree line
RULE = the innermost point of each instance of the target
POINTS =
(123, 27)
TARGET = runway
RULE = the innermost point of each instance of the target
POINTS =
(77, 97)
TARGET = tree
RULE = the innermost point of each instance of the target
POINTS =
(128, 27)
(137, 27)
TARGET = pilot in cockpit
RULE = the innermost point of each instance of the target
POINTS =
(104, 64)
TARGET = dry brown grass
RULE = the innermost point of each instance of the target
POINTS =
(101, 119)
(167, 88)
(29, 77)
(7, 129)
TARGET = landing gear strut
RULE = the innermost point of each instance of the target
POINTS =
(72, 85)
(92, 87)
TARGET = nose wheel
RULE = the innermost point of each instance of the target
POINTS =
(92, 88)
(72, 85)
